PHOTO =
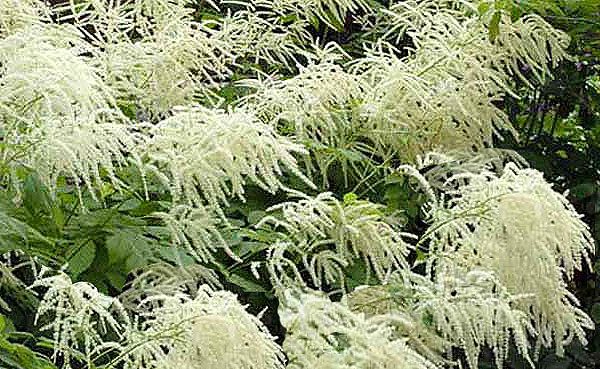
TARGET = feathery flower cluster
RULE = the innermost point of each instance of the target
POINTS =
(208, 331)
(79, 317)
(528, 235)
(472, 311)
(162, 279)
(173, 57)
(317, 105)
(14, 14)
(499, 250)
(324, 334)
(469, 311)
(331, 12)
(394, 304)
(218, 151)
(333, 235)
(56, 120)
(195, 229)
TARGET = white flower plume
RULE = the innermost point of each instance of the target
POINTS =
(57, 120)
(469, 311)
(195, 229)
(328, 235)
(212, 330)
(209, 155)
(324, 334)
(528, 235)
(79, 318)
(16, 14)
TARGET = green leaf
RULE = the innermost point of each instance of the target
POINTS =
(255, 216)
(483, 8)
(176, 256)
(36, 197)
(117, 246)
(494, 26)
(160, 232)
(248, 248)
(246, 284)
(130, 248)
(17, 356)
(130, 204)
(515, 13)
(82, 259)
(583, 190)
(421, 255)
(357, 274)
(595, 312)
(350, 198)
(6, 325)
(135, 261)
(104, 219)
(116, 279)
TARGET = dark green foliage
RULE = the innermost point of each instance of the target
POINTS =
(16, 351)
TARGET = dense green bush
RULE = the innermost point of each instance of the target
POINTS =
(291, 183)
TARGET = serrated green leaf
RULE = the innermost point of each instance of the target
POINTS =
(176, 256)
(105, 219)
(36, 197)
(82, 259)
(246, 284)
(357, 274)
(18, 356)
(117, 246)
(131, 249)
(246, 248)
(135, 261)
(160, 232)
(116, 279)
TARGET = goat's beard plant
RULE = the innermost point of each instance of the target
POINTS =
(499, 247)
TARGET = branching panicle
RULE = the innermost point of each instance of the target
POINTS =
(336, 234)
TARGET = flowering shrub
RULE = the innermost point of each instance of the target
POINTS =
(160, 156)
